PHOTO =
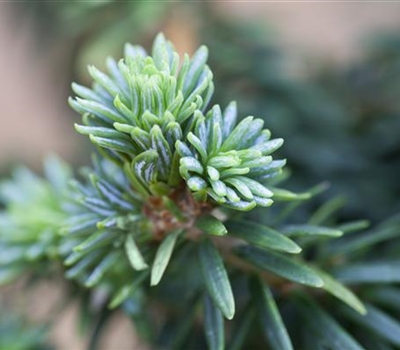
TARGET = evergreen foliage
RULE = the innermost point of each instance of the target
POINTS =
(349, 110)
(172, 213)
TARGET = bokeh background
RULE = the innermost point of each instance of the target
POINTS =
(325, 76)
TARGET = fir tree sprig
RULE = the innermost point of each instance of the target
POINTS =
(162, 217)
(150, 116)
